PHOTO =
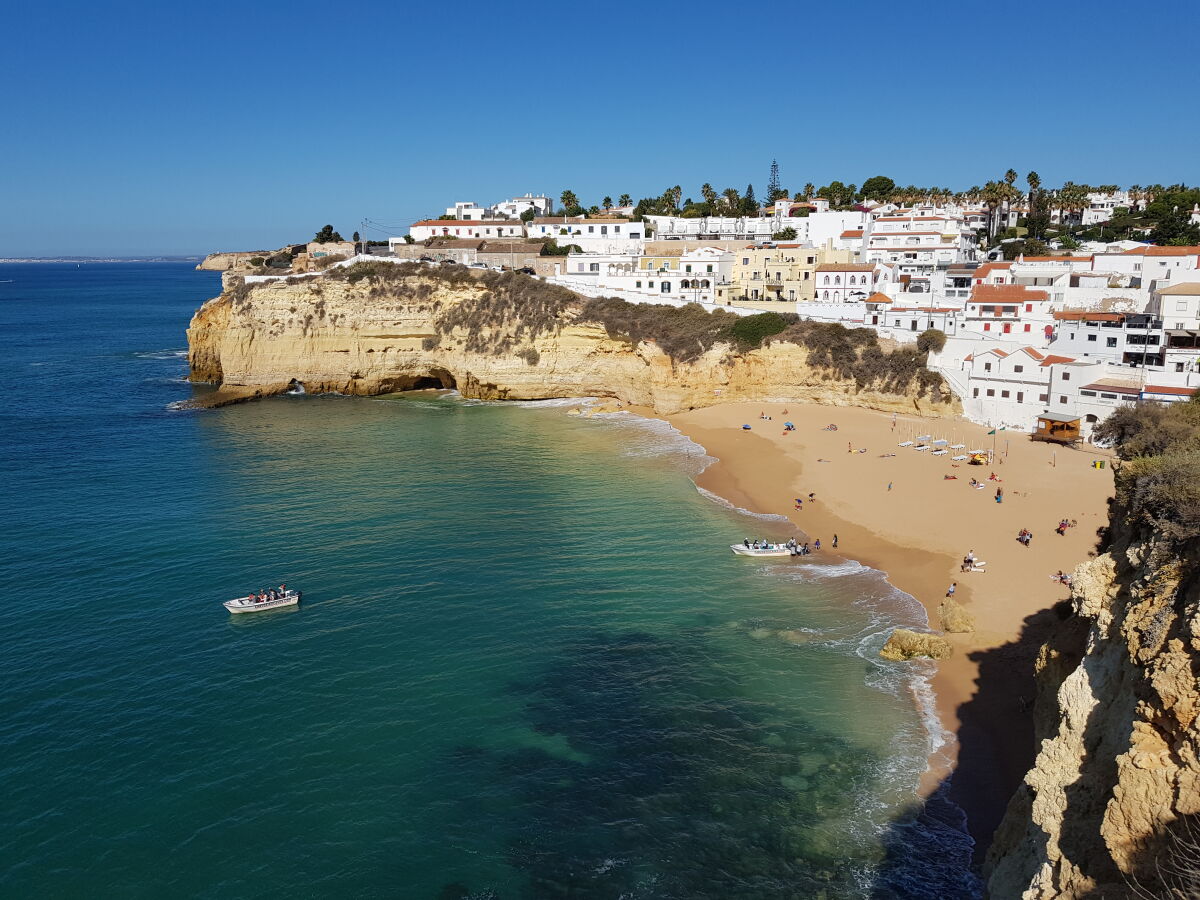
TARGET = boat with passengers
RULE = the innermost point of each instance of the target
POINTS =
(264, 600)
(763, 548)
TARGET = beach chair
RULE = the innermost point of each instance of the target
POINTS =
(906, 443)
(960, 456)
(940, 452)
(922, 447)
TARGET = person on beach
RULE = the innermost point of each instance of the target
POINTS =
(999, 495)
(950, 590)
(799, 503)
(835, 542)
(817, 544)
(889, 485)
(812, 497)
(849, 447)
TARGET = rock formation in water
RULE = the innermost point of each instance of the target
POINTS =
(378, 328)
(904, 644)
(1111, 807)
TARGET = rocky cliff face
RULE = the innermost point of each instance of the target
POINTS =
(428, 329)
(1110, 807)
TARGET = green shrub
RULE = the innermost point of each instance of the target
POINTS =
(932, 340)
(751, 331)
(1158, 484)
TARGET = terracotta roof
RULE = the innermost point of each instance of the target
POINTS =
(1012, 293)
(988, 268)
(878, 298)
(1052, 360)
(1170, 389)
(1163, 251)
(1116, 387)
(846, 267)
(1031, 352)
(996, 350)
(852, 233)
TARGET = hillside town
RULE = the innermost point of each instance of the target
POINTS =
(1045, 325)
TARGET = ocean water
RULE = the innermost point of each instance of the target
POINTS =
(526, 664)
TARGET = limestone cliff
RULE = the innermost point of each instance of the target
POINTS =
(1111, 806)
(497, 337)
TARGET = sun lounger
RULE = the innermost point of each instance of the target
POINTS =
(918, 449)
(940, 452)
(906, 443)
(957, 446)
(960, 456)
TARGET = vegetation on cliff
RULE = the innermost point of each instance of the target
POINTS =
(1158, 484)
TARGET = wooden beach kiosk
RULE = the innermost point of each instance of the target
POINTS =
(1057, 428)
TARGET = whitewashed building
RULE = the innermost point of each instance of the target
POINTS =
(464, 229)
(601, 234)
(838, 282)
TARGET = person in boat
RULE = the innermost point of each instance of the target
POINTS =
(282, 589)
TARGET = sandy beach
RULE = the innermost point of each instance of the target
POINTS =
(894, 509)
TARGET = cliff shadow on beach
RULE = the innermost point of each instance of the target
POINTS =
(997, 746)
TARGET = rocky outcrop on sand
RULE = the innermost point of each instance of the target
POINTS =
(1111, 805)
(904, 644)
(497, 338)
(955, 619)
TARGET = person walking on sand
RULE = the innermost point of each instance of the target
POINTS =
(889, 485)
(950, 590)
(835, 542)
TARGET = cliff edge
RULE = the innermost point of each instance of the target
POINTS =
(1111, 807)
(383, 327)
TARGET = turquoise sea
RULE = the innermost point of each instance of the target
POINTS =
(526, 664)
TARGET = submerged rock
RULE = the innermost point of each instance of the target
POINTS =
(905, 644)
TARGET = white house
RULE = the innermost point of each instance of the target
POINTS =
(465, 228)
(1012, 388)
(851, 282)
(692, 276)
(1153, 265)
(602, 234)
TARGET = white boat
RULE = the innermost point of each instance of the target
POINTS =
(761, 550)
(250, 604)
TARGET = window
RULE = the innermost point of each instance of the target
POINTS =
(827, 279)
(650, 284)
(1004, 394)
(594, 267)
(1109, 396)
(987, 326)
(1181, 306)
(688, 267)
(1018, 368)
(591, 229)
(837, 279)
(1091, 337)
(1028, 326)
(708, 268)
(1042, 398)
(1066, 376)
(665, 287)
(987, 367)
(792, 296)
(991, 393)
(1062, 398)
(1071, 335)
(745, 260)
(1110, 342)
(1020, 396)
(976, 394)
(637, 284)
(1087, 393)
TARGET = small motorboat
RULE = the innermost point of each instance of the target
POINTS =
(762, 550)
(253, 604)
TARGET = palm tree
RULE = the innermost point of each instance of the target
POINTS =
(993, 197)
(808, 191)
(709, 195)
(568, 199)
(606, 203)
(625, 200)
(732, 199)
(1135, 196)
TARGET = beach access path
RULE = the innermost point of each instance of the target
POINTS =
(899, 514)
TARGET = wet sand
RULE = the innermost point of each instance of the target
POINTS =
(898, 513)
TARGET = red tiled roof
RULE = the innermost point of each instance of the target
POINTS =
(852, 233)
(988, 268)
(1051, 360)
(1170, 389)
(878, 298)
(1111, 387)
(1013, 293)
(1163, 251)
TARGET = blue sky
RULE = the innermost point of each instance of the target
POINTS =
(181, 128)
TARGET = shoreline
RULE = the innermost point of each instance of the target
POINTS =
(899, 515)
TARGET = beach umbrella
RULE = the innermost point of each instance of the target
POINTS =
(788, 425)
(923, 437)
